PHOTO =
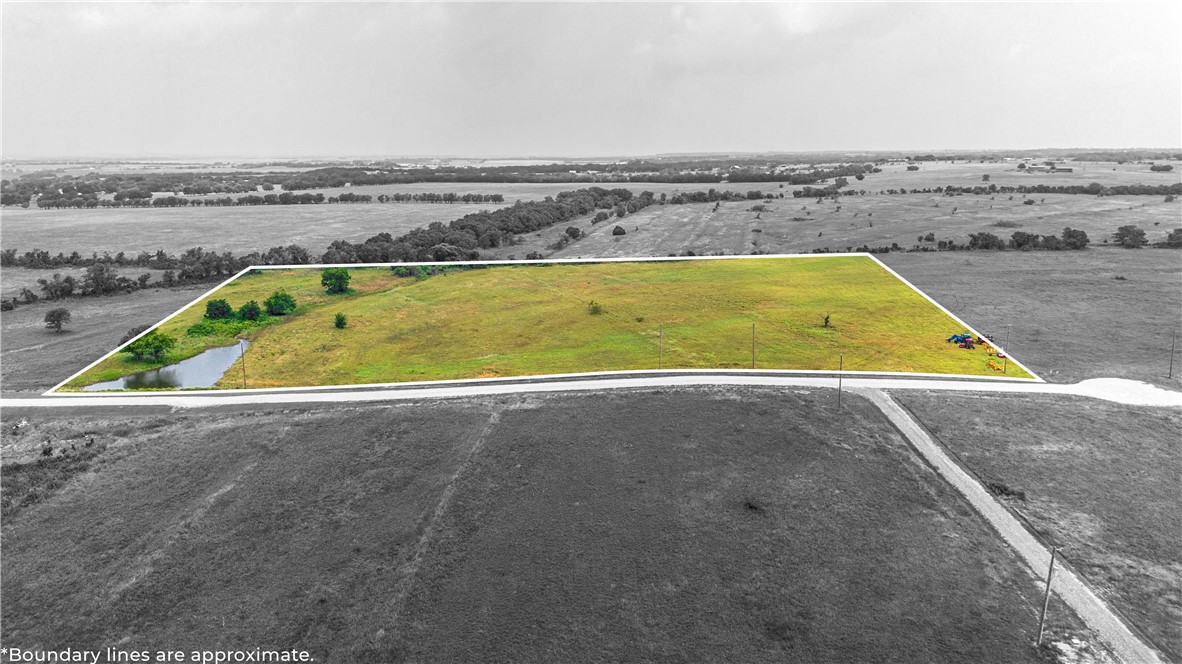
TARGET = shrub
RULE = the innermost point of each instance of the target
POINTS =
(56, 318)
(1028, 201)
(987, 241)
(1129, 237)
(1161, 168)
(132, 333)
(573, 232)
(152, 345)
(1174, 238)
(594, 308)
(335, 280)
(619, 230)
(340, 321)
(279, 304)
(250, 311)
(218, 310)
(1073, 239)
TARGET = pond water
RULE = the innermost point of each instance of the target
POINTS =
(202, 370)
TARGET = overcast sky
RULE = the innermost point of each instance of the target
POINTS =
(599, 79)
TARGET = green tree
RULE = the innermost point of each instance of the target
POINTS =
(218, 310)
(1130, 237)
(335, 280)
(152, 345)
(56, 318)
(279, 304)
(340, 321)
(250, 311)
(1174, 238)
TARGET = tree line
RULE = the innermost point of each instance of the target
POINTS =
(282, 198)
(1092, 189)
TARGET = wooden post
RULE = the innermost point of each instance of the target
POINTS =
(840, 367)
(1005, 361)
(242, 355)
(1046, 596)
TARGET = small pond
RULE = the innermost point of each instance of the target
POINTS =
(202, 370)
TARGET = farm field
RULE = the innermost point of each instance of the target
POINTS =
(515, 320)
(617, 526)
(240, 229)
(244, 229)
(802, 225)
(1002, 173)
(1101, 481)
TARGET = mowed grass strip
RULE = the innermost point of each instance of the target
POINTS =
(529, 319)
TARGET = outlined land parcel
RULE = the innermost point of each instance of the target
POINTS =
(534, 318)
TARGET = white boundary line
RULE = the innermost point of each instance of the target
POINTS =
(954, 317)
(52, 392)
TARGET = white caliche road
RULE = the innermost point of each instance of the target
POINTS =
(1086, 604)
(1098, 615)
(1110, 389)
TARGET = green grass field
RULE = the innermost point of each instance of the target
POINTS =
(529, 319)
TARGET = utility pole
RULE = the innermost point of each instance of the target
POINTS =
(753, 345)
(661, 346)
(1046, 596)
(242, 355)
(840, 367)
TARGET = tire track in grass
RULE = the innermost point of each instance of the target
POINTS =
(1094, 611)
(409, 570)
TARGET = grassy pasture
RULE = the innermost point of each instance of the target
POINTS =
(802, 225)
(525, 320)
(33, 358)
(1068, 316)
(688, 525)
(236, 229)
(931, 174)
(305, 288)
(1100, 479)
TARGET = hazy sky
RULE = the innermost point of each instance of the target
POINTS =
(353, 79)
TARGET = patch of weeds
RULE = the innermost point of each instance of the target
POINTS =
(26, 484)
(754, 506)
(1121, 277)
(1003, 490)
(1006, 223)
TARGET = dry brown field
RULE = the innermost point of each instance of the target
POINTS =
(680, 525)
(239, 230)
(1099, 479)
